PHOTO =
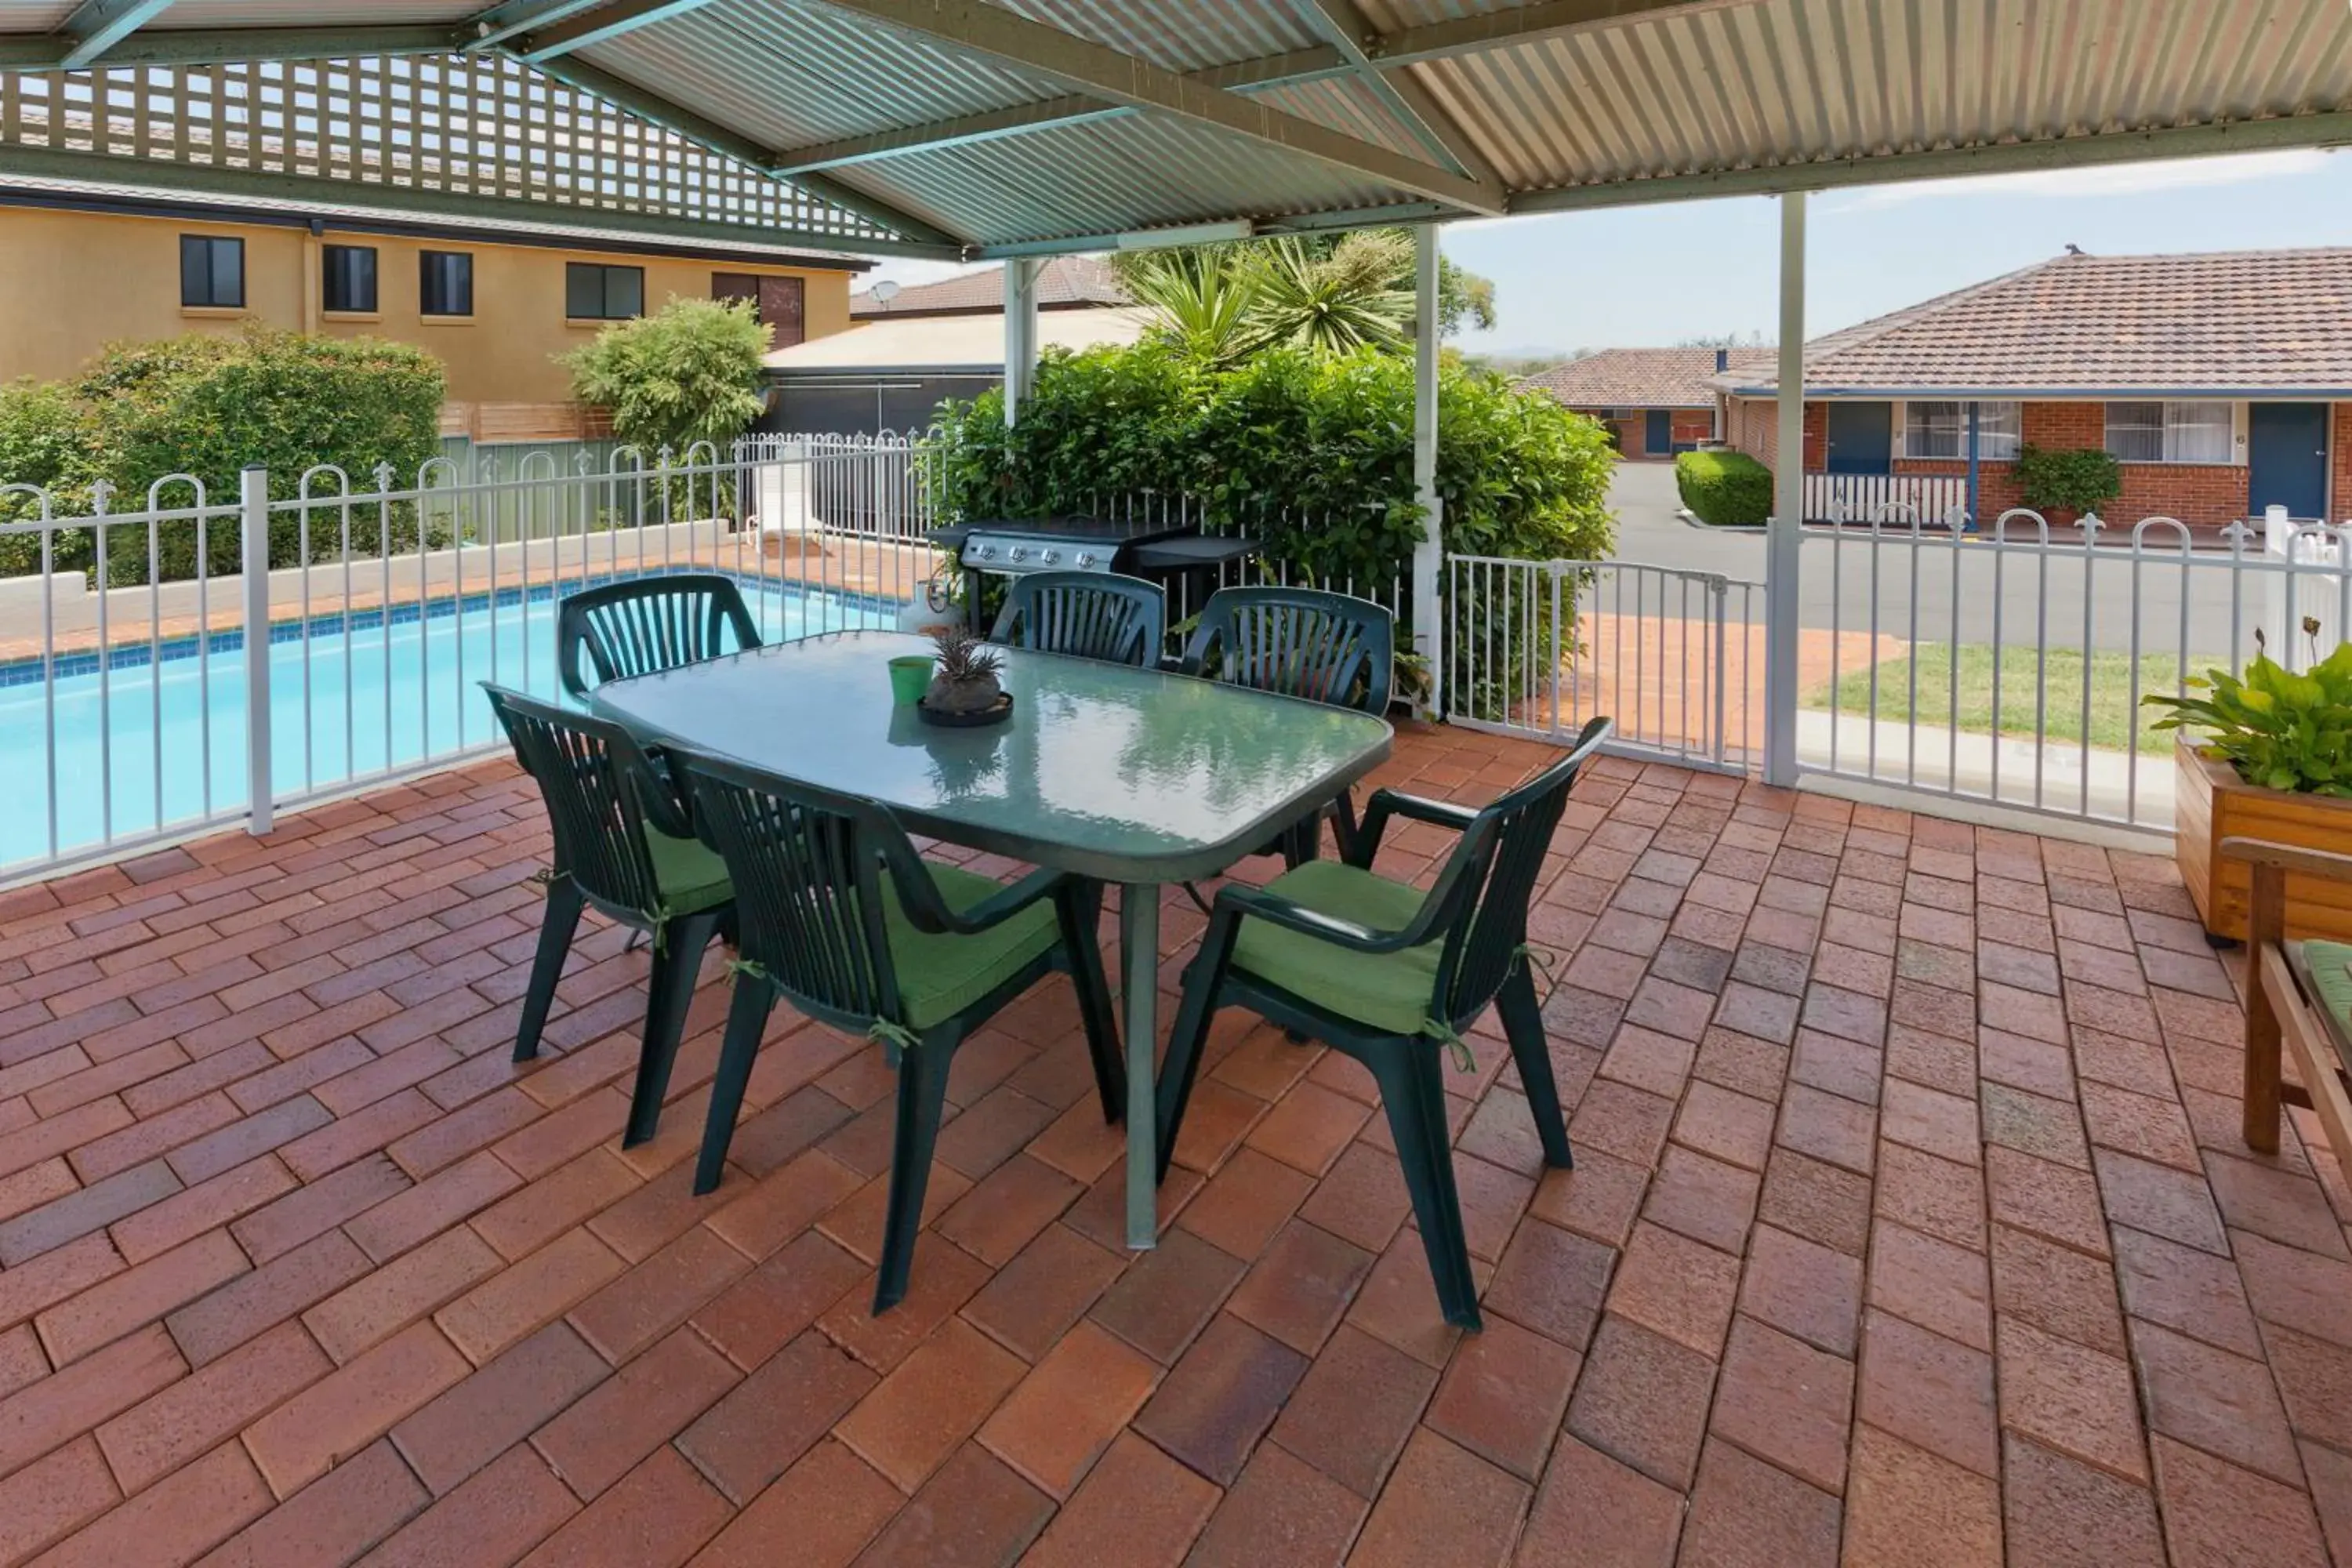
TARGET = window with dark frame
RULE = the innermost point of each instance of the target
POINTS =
(211, 272)
(595, 292)
(444, 283)
(350, 278)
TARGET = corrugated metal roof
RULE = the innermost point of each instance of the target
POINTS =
(785, 72)
(1653, 99)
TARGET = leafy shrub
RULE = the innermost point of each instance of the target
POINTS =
(689, 373)
(205, 406)
(2279, 730)
(1311, 455)
(1728, 490)
(2077, 480)
(43, 442)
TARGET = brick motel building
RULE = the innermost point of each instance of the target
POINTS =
(2223, 383)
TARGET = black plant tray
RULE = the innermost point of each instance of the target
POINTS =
(996, 714)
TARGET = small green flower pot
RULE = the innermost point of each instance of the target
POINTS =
(910, 677)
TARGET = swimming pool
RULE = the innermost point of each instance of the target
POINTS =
(349, 698)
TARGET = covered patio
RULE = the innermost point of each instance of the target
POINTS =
(1910, 1223)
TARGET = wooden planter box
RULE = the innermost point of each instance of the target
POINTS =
(2211, 803)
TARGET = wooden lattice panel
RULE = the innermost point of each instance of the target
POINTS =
(479, 125)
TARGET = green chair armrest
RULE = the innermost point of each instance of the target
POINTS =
(927, 911)
(1236, 899)
(1387, 802)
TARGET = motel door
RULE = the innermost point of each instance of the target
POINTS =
(2286, 447)
(1658, 432)
(1862, 438)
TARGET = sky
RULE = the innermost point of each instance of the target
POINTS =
(1657, 275)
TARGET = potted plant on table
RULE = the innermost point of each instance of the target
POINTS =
(2269, 756)
(965, 689)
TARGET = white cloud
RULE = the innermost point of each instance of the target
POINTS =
(2106, 180)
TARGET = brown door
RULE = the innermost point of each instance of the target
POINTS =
(782, 308)
(780, 302)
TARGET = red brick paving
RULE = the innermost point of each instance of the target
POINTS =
(1911, 1227)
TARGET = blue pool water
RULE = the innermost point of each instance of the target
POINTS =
(376, 698)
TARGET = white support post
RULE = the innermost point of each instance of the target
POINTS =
(253, 493)
(1429, 555)
(1784, 541)
(1019, 334)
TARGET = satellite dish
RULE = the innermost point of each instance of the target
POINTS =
(884, 291)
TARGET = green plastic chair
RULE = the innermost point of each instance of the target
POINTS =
(843, 919)
(1088, 614)
(1389, 975)
(623, 848)
(648, 623)
(1332, 649)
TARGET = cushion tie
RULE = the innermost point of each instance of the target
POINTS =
(655, 920)
(881, 1031)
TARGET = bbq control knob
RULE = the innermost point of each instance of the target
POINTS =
(1086, 559)
(983, 551)
(1018, 553)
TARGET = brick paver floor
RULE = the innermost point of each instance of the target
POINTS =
(1910, 1225)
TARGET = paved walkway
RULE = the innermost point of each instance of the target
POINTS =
(1910, 1226)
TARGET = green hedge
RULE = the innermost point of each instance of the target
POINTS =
(206, 406)
(1728, 490)
(2077, 480)
(1311, 455)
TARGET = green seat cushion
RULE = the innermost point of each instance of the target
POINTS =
(2331, 982)
(941, 974)
(1387, 991)
(690, 876)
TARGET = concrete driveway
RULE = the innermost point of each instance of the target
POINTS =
(1980, 595)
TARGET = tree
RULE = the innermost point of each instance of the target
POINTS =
(689, 373)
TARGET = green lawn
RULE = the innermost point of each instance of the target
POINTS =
(2111, 717)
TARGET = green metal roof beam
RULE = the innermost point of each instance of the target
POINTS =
(2221, 139)
(219, 46)
(502, 22)
(97, 26)
(109, 169)
(1097, 70)
(1353, 34)
(923, 237)
(595, 26)
(1386, 52)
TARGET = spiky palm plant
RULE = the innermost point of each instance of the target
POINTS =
(966, 679)
(1360, 295)
(1203, 300)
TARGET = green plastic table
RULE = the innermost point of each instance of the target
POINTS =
(1134, 777)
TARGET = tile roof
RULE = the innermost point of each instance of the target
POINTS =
(1641, 378)
(2227, 322)
(1062, 282)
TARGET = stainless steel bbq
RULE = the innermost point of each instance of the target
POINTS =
(1177, 556)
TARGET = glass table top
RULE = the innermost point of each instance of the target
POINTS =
(1131, 776)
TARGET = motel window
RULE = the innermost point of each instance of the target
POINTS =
(593, 292)
(1941, 430)
(2203, 432)
(444, 283)
(350, 277)
(211, 272)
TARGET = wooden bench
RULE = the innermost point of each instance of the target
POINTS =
(2298, 994)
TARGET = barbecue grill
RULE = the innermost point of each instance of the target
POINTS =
(1177, 556)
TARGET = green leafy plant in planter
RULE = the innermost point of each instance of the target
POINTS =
(2077, 479)
(2280, 729)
